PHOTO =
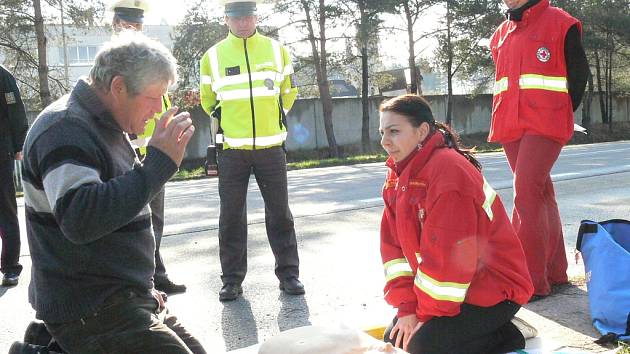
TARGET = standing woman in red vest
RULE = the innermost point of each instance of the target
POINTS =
(541, 72)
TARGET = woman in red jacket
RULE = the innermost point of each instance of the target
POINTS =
(541, 73)
(454, 267)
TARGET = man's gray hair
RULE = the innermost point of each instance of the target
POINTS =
(139, 60)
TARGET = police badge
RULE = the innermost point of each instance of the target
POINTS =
(269, 84)
(10, 97)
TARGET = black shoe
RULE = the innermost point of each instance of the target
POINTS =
(535, 298)
(25, 348)
(292, 286)
(37, 333)
(230, 291)
(170, 288)
(10, 279)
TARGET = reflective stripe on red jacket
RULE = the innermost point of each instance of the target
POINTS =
(446, 238)
(530, 94)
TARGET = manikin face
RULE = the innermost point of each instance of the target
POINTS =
(133, 112)
(398, 137)
(514, 4)
(242, 26)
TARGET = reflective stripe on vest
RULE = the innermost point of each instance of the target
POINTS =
(534, 81)
(214, 63)
(206, 80)
(277, 55)
(260, 140)
(541, 82)
(397, 268)
(445, 291)
(219, 81)
(490, 197)
(244, 78)
(501, 85)
(228, 95)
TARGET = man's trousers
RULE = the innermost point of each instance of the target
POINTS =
(270, 169)
(129, 322)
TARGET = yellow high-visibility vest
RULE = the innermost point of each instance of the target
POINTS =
(246, 78)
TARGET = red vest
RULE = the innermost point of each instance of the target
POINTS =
(530, 93)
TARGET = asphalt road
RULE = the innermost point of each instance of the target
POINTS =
(337, 212)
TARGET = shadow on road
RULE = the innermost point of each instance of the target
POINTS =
(293, 313)
(567, 306)
(3, 290)
(238, 324)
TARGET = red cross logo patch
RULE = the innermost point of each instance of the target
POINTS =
(543, 54)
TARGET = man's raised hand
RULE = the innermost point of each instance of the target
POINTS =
(172, 134)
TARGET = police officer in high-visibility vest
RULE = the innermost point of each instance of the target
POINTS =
(129, 14)
(13, 127)
(541, 73)
(246, 82)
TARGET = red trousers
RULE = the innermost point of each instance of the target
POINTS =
(535, 216)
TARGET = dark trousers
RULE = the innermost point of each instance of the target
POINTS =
(270, 169)
(483, 330)
(157, 220)
(128, 322)
(535, 216)
(9, 225)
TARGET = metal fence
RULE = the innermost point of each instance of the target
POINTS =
(17, 175)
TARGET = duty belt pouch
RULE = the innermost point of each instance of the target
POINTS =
(605, 248)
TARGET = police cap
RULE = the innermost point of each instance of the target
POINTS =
(239, 8)
(130, 10)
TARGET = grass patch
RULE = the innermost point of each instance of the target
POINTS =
(623, 348)
(349, 160)
(184, 175)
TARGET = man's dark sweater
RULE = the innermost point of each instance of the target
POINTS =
(87, 219)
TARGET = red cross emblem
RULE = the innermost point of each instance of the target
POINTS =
(543, 54)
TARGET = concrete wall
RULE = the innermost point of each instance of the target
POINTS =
(306, 123)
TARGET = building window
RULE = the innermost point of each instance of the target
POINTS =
(79, 54)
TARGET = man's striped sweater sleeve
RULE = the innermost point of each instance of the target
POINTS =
(65, 174)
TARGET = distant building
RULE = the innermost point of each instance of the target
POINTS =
(82, 44)
(394, 83)
(342, 88)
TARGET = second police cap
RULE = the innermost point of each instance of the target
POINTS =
(130, 10)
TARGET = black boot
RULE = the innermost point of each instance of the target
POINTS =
(25, 348)
(37, 333)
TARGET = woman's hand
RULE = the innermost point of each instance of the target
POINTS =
(404, 329)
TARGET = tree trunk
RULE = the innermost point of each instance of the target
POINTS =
(449, 66)
(587, 103)
(365, 108)
(598, 73)
(42, 69)
(321, 72)
(414, 86)
(609, 84)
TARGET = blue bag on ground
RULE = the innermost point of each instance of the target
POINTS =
(605, 248)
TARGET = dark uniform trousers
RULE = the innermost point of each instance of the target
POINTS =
(157, 220)
(9, 226)
(270, 169)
